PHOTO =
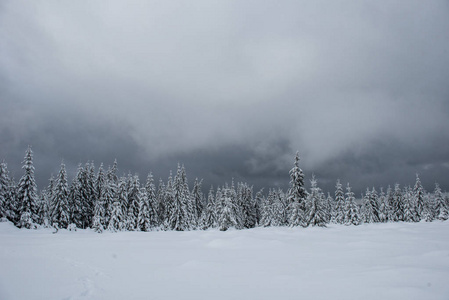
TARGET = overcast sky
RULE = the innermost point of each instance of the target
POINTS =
(232, 89)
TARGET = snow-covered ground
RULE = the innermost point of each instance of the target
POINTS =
(376, 261)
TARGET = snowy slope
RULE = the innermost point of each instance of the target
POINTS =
(376, 261)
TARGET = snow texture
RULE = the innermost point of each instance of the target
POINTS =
(372, 261)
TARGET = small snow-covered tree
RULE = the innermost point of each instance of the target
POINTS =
(133, 202)
(383, 207)
(315, 206)
(143, 218)
(209, 217)
(296, 195)
(27, 193)
(60, 200)
(397, 206)
(4, 191)
(338, 215)
(352, 216)
(152, 201)
(410, 214)
(197, 200)
(248, 205)
(228, 215)
(441, 210)
(418, 193)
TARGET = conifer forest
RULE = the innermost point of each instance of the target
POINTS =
(101, 200)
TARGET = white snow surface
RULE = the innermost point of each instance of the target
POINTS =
(371, 261)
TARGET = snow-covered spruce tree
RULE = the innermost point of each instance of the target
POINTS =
(258, 201)
(152, 201)
(99, 186)
(8, 191)
(111, 190)
(108, 196)
(160, 196)
(429, 208)
(296, 195)
(76, 200)
(228, 215)
(4, 190)
(118, 220)
(352, 216)
(315, 206)
(133, 202)
(197, 200)
(44, 210)
(410, 214)
(27, 193)
(97, 224)
(397, 206)
(248, 205)
(383, 207)
(60, 215)
(338, 215)
(370, 206)
(329, 207)
(267, 209)
(208, 216)
(418, 193)
(168, 200)
(143, 218)
(180, 216)
(280, 208)
(441, 210)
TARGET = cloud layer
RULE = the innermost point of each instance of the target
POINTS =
(231, 89)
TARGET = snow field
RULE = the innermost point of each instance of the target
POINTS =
(371, 261)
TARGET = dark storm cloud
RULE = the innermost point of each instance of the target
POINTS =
(231, 89)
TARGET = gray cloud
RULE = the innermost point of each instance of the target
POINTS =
(231, 89)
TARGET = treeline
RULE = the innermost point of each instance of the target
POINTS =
(103, 201)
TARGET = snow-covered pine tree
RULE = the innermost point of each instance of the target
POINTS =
(27, 194)
(99, 186)
(97, 224)
(197, 200)
(168, 200)
(418, 193)
(338, 215)
(229, 213)
(161, 211)
(370, 206)
(180, 216)
(44, 210)
(280, 208)
(441, 210)
(152, 201)
(296, 195)
(60, 200)
(133, 202)
(76, 200)
(315, 206)
(248, 205)
(118, 213)
(143, 218)
(4, 190)
(112, 193)
(410, 214)
(329, 207)
(383, 207)
(429, 208)
(352, 216)
(208, 217)
(258, 202)
(398, 204)
(267, 209)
